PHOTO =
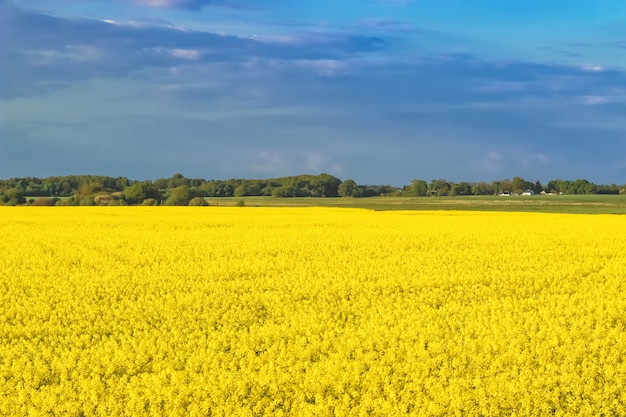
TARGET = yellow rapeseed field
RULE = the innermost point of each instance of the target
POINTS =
(211, 311)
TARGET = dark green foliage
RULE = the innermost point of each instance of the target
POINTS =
(439, 188)
(248, 188)
(462, 188)
(13, 197)
(181, 196)
(179, 190)
(418, 188)
(140, 191)
(349, 188)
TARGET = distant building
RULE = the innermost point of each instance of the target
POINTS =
(528, 192)
(505, 194)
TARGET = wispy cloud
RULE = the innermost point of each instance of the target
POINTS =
(43, 46)
(269, 162)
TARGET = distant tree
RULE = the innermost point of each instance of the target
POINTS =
(462, 188)
(439, 187)
(496, 186)
(553, 186)
(195, 182)
(267, 190)
(139, 191)
(518, 185)
(506, 185)
(297, 188)
(247, 188)
(418, 188)
(86, 193)
(390, 190)
(223, 189)
(177, 180)
(324, 185)
(564, 186)
(120, 183)
(180, 196)
(537, 188)
(608, 189)
(160, 183)
(348, 188)
(582, 186)
(49, 188)
(482, 188)
(367, 191)
(279, 192)
(13, 197)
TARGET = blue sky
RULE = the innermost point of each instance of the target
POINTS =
(381, 91)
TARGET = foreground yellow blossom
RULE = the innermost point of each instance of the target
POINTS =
(213, 311)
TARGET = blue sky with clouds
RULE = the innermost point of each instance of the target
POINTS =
(381, 91)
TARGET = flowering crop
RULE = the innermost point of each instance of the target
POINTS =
(161, 311)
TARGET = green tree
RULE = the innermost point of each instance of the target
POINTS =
(518, 185)
(482, 188)
(418, 188)
(86, 193)
(348, 188)
(279, 192)
(439, 187)
(506, 185)
(180, 196)
(462, 188)
(582, 186)
(324, 185)
(140, 191)
(177, 180)
(13, 196)
(247, 188)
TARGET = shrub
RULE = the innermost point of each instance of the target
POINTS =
(44, 201)
(149, 202)
(198, 201)
(103, 199)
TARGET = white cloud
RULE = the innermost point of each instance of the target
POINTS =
(491, 162)
(285, 162)
(594, 100)
(322, 67)
(84, 53)
(189, 54)
(593, 68)
(269, 162)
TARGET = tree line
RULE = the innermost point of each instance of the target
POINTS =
(179, 190)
